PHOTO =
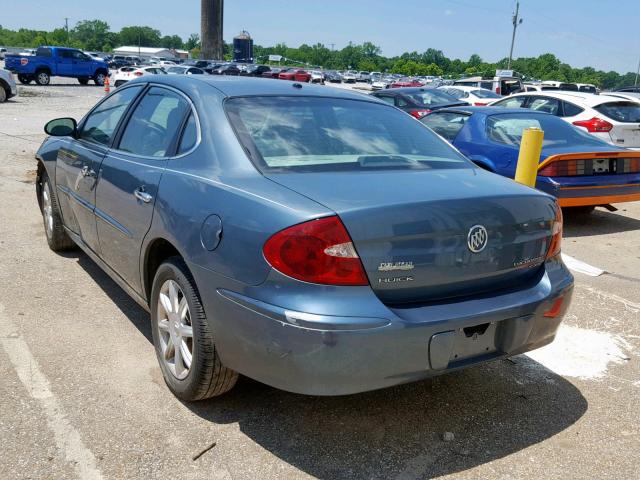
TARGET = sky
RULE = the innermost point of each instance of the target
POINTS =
(602, 34)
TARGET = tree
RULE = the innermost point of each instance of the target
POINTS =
(192, 42)
(211, 28)
(171, 41)
(91, 34)
(147, 36)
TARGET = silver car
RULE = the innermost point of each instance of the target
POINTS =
(8, 85)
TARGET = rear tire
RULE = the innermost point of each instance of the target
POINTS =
(57, 237)
(43, 78)
(179, 317)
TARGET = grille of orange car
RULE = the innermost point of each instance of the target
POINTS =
(600, 163)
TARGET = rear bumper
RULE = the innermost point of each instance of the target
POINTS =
(589, 191)
(353, 343)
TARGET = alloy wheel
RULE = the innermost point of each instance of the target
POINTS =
(47, 209)
(175, 330)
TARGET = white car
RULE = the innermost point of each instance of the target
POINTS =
(165, 63)
(125, 74)
(478, 97)
(8, 87)
(350, 76)
(614, 119)
(185, 70)
(317, 76)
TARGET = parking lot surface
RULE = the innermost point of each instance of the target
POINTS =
(82, 396)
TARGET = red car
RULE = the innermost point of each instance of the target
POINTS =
(295, 74)
(406, 82)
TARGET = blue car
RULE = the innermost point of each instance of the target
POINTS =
(581, 171)
(316, 240)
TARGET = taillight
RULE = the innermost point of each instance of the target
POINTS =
(479, 104)
(138, 74)
(419, 113)
(556, 234)
(594, 125)
(564, 168)
(498, 90)
(317, 251)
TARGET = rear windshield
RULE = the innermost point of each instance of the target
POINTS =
(427, 98)
(486, 94)
(627, 112)
(313, 134)
(508, 128)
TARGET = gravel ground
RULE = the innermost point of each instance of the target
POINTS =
(81, 395)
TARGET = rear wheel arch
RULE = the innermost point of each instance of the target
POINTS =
(156, 253)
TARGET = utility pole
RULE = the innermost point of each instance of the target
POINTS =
(516, 21)
(332, 45)
(635, 84)
(66, 27)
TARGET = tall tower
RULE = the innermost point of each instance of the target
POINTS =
(211, 17)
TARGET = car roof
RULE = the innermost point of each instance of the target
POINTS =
(407, 90)
(248, 86)
(488, 111)
(464, 88)
(583, 98)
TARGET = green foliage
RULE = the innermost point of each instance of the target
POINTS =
(96, 35)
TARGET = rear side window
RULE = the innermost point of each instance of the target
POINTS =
(189, 135)
(43, 52)
(101, 123)
(154, 123)
(313, 134)
(486, 94)
(588, 89)
(626, 112)
(387, 98)
(545, 104)
(446, 124)
(571, 110)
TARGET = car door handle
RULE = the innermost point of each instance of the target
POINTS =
(87, 172)
(140, 194)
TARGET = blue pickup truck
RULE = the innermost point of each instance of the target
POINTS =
(57, 62)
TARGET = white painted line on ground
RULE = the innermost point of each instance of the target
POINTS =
(634, 307)
(580, 266)
(67, 438)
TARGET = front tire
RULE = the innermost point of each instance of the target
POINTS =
(586, 210)
(43, 78)
(3, 94)
(182, 338)
(83, 80)
(57, 237)
(99, 78)
(24, 79)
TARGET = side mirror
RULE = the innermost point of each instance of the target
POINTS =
(61, 127)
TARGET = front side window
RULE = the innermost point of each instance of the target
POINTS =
(310, 134)
(154, 123)
(102, 122)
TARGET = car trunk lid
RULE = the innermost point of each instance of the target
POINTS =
(413, 229)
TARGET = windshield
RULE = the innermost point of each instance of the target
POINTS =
(486, 94)
(507, 128)
(311, 134)
(427, 98)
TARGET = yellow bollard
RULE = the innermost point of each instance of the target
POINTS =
(529, 157)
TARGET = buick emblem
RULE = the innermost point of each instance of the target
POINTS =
(477, 238)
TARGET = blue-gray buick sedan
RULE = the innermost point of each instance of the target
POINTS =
(314, 239)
